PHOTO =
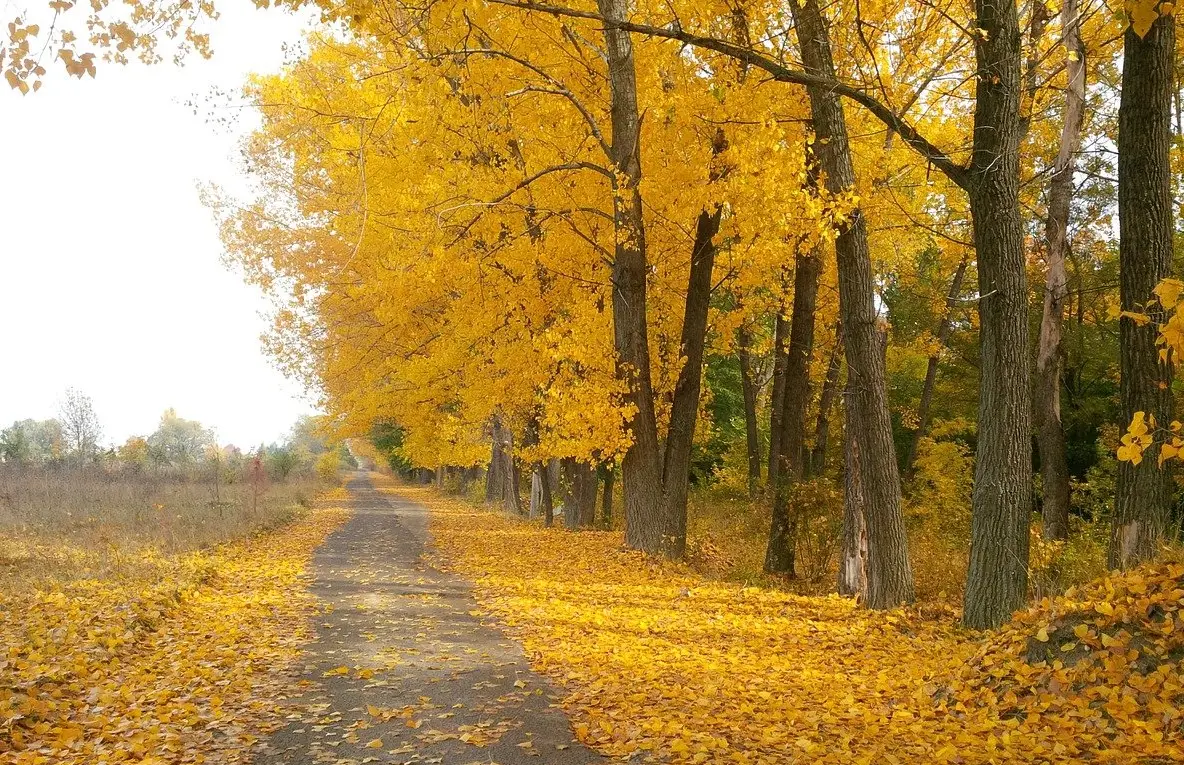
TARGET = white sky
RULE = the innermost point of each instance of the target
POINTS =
(111, 278)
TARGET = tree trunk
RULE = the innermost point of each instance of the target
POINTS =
(997, 579)
(777, 397)
(1142, 502)
(495, 478)
(514, 485)
(536, 493)
(684, 412)
(641, 469)
(853, 554)
(779, 554)
(889, 575)
(826, 402)
(1050, 432)
(924, 411)
(606, 500)
(579, 497)
(748, 383)
(548, 495)
(545, 505)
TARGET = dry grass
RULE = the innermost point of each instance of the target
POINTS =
(60, 523)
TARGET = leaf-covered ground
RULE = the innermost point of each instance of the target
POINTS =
(147, 658)
(665, 665)
(403, 670)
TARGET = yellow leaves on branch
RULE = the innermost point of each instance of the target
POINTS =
(1138, 438)
(1142, 433)
(175, 659)
(1144, 13)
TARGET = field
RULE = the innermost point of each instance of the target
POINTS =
(144, 621)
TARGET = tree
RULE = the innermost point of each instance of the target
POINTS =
(80, 426)
(889, 574)
(281, 461)
(134, 453)
(1146, 233)
(178, 442)
(750, 390)
(15, 444)
(1054, 464)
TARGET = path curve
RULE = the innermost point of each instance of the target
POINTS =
(402, 669)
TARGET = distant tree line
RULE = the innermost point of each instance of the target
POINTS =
(178, 446)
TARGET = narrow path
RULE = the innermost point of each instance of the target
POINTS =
(402, 671)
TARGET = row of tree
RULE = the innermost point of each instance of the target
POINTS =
(453, 214)
(457, 195)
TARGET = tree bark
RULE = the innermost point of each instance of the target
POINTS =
(777, 397)
(1050, 432)
(889, 575)
(606, 500)
(853, 554)
(748, 383)
(779, 553)
(924, 410)
(1142, 502)
(997, 578)
(513, 497)
(548, 509)
(684, 412)
(826, 402)
(549, 484)
(495, 478)
(579, 501)
(641, 468)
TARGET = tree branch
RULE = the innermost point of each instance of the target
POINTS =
(957, 173)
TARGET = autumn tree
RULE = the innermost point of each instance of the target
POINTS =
(1146, 238)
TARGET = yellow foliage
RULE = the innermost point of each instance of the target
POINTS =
(175, 658)
(661, 663)
(328, 464)
(1095, 673)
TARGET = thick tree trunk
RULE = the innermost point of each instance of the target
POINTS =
(826, 403)
(751, 432)
(641, 469)
(779, 554)
(997, 579)
(1142, 503)
(889, 575)
(925, 411)
(853, 554)
(1050, 432)
(777, 396)
(684, 412)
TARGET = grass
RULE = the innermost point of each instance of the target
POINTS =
(144, 620)
(58, 523)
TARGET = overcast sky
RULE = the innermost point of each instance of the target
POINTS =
(111, 278)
